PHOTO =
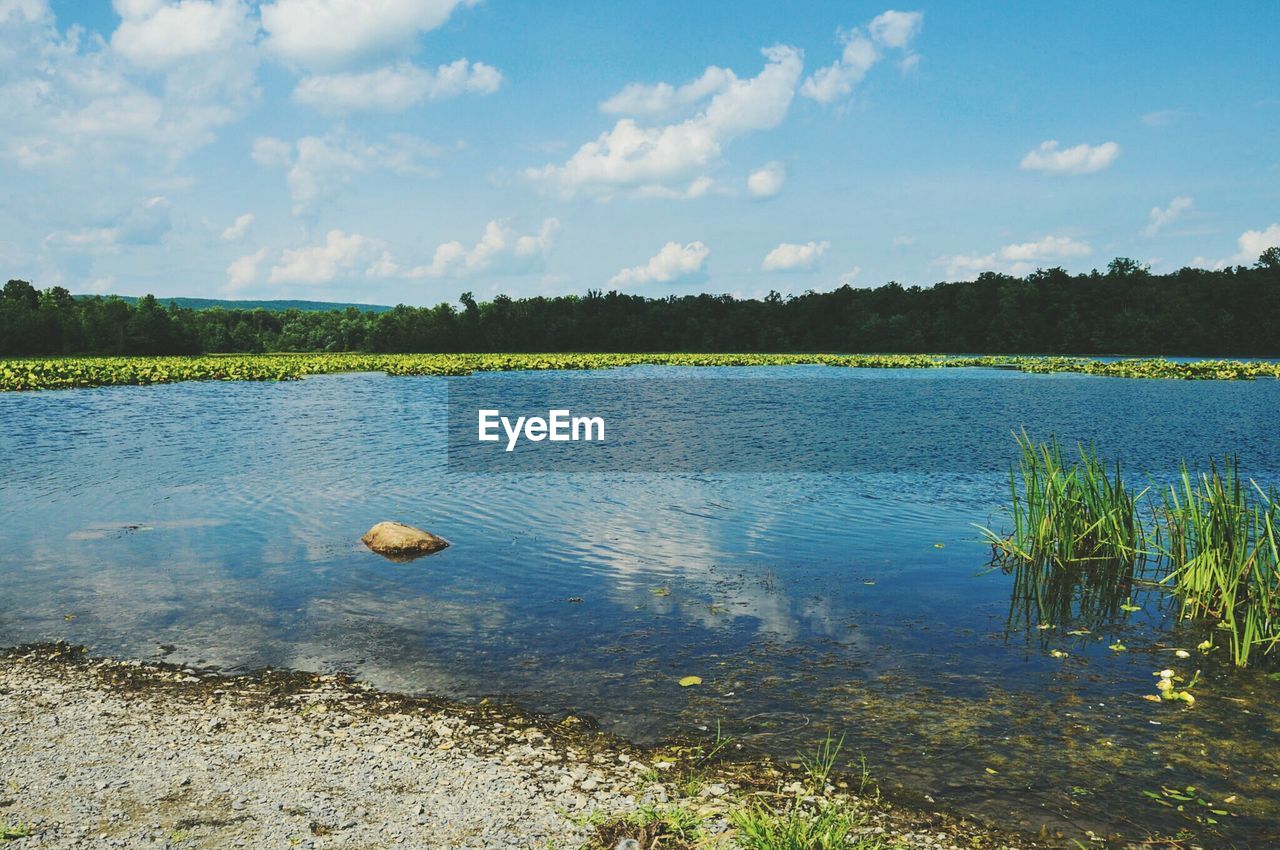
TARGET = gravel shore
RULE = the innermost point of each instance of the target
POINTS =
(101, 753)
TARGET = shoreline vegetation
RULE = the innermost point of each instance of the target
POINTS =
(1124, 310)
(101, 752)
(43, 373)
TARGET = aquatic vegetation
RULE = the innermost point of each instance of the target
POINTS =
(1076, 537)
(69, 372)
(1223, 557)
(1081, 540)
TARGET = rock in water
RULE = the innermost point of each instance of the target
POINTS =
(401, 542)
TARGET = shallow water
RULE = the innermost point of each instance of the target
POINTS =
(223, 520)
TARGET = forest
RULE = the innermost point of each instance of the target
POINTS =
(1124, 310)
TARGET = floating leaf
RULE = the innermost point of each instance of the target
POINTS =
(1182, 653)
(1057, 653)
(1117, 647)
(689, 681)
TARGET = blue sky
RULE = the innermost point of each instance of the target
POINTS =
(312, 149)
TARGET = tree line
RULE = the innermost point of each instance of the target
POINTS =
(1123, 310)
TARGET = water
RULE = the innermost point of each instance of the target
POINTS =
(219, 524)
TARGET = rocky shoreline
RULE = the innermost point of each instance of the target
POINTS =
(105, 753)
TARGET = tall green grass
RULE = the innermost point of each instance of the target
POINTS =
(1077, 537)
(1081, 539)
(1222, 554)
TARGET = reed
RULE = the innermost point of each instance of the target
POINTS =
(1082, 539)
(1222, 554)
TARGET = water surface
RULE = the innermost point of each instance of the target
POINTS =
(218, 523)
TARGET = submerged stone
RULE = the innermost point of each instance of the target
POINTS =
(400, 542)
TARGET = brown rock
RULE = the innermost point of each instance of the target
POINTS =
(401, 542)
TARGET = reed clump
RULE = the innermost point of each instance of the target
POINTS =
(1222, 554)
(1082, 539)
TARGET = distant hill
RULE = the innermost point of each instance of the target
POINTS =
(273, 306)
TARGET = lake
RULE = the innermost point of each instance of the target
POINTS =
(219, 524)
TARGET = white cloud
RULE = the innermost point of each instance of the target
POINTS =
(78, 103)
(663, 99)
(674, 262)
(896, 29)
(243, 271)
(633, 157)
(1253, 242)
(790, 257)
(159, 35)
(697, 187)
(146, 224)
(500, 251)
(396, 87)
(330, 33)
(347, 256)
(1161, 117)
(848, 278)
(319, 167)
(1250, 246)
(1018, 259)
(767, 181)
(343, 254)
(1081, 159)
(1161, 217)
(893, 30)
(238, 228)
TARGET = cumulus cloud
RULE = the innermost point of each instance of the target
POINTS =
(341, 254)
(634, 157)
(790, 257)
(896, 29)
(396, 87)
(145, 224)
(243, 271)
(663, 99)
(1049, 158)
(159, 35)
(891, 29)
(1253, 242)
(1018, 259)
(500, 250)
(331, 33)
(767, 181)
(674, 262)
(319, 167)
(238, 228)
(154, 90)
(1161, 217)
